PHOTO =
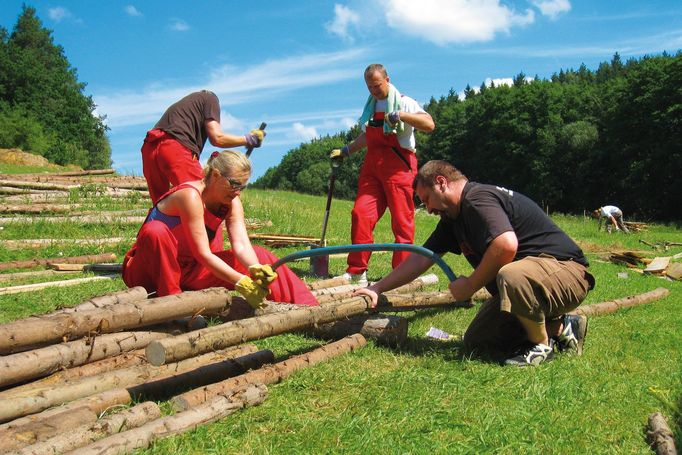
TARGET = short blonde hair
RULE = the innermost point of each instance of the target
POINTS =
(227, 162)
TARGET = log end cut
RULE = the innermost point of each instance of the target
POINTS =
(155, 353)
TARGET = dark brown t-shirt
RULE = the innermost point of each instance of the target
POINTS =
(185, 120)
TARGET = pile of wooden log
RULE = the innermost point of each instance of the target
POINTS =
(60, 371)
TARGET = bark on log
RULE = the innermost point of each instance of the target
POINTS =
(90, 258)
(626, 302)
(7, 290)
(660, 437)
(42, 243)
(97, 268)
(35, 185)
(344, 292)
(34, 274)
(331, 282)
(234, 332)
(37, 208)
(41, 399)
(80, 219)
(16, 368)
(84, 172)
(46, 421)
(389, 330)
(145, 435)
(113, 318)
(72, 437)
(134, 294)
(269, 374)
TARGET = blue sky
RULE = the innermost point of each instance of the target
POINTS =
(298, 65)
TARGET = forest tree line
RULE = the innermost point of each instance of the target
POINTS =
(43, 109)
(579, 140)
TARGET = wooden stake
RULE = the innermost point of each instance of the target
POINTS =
(269, 374)
(221, 406)
(234, 332)
(626, 302)
(15, 335)
(87, 259)
(52, 284)
(40, 399)
(71, 437)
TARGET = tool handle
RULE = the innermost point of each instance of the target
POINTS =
(369, 247)
(250, 149)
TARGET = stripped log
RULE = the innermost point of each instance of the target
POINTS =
(219, 407)
(42, 243)
(389, 330)
(82, 173)
(17, 196)
(87, 259)
(46, 421)
(41, 399)
(614, 305)
(234, 332)
(52, 284)
(16, 368)
(34, 274)
(35, 185)
(38, 208)
(134, 294)
(328, 283)
(80, 219)
(97, 268)
(269, 374)
(112, 318)
(661, 439)
(74, 437)
(343, 292)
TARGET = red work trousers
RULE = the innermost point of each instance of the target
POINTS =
(385, 181)
(153, 263)
(166, 162)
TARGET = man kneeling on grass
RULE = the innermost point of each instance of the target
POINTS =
(534, 271)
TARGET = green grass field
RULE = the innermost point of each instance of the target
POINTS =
(427, 397)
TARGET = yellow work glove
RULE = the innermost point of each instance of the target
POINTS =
(253, 293)
(339, 154)
(262, 275)
(255, 138)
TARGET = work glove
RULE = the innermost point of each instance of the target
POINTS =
(253, 293)
(255, 138)
(262, 275)
(393, 118)
(337, 155)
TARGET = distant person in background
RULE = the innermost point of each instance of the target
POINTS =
(388, 122)
(613, 217)
(171, 150)
(178, 249)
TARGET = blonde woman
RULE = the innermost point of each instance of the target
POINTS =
(179, 248)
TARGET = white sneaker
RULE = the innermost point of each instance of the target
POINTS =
(360, 278)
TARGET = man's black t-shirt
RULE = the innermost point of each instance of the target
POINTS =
(488, 211)
(185, 119)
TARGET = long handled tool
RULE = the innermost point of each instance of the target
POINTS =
(319, 264)
(250, 149)
(326, 251)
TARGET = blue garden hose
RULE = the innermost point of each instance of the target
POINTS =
(324, 251)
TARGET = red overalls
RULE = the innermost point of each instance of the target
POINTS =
(166, 162)
(385, 181)
(161, 260)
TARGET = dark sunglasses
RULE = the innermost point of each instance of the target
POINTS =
(235, 184)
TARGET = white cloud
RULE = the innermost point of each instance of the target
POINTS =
(59, 13)
(344, 18)
(130, 10)
(301, 132)
(178, 25)
(453, 21)
(231, 123)
(234, 85)
(552, 8)
(489, 82)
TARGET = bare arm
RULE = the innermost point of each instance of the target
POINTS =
(421, 121)
(191, 209)
(358, 143)
(500, 251)
(239, 237)
(218, 138)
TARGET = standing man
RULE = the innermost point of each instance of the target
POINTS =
(170, 153)
(388, 122)
(534, 271)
